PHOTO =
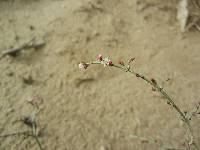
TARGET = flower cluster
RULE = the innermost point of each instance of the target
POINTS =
(99, 60)
(83, 65)
(99, 57)
(105, 61)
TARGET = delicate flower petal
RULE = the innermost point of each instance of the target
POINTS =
(99, 57)
(83, 65)
(110, 63)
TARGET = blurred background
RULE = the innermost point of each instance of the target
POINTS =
(100, 108)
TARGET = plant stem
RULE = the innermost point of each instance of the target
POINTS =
(158, 88)
(35, 136)
(169, 99)
(38, 142)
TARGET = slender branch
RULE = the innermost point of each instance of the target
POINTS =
(34, 134)
(34, 129)
(38, 142)
(158, 88)
(153, 83)
(30, 44)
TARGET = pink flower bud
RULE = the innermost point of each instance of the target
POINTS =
(99, 57)
(131, 60)
(83, 65)
(121, 63)
(110, 63)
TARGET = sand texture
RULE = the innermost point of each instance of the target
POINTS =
(100, 108)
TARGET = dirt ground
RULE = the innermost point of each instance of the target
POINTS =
(100, 108)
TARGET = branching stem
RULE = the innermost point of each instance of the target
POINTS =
(167, 97)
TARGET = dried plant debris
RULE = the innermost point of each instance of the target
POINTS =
(196, 3)
(31, 44)
(194, 112)
(194, 22)
(194, 15)
(182, 14)
(188, 15)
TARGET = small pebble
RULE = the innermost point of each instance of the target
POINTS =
(28, 80)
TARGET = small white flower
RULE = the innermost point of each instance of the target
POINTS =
(107, 62)
(83, 65)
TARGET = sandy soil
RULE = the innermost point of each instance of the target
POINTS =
(101, 108)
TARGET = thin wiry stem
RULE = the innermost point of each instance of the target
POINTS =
(35, 135)
(158, 88)
(163, 92)
(38, 142)
(34, 129)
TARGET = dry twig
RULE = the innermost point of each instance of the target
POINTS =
(31, 44)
